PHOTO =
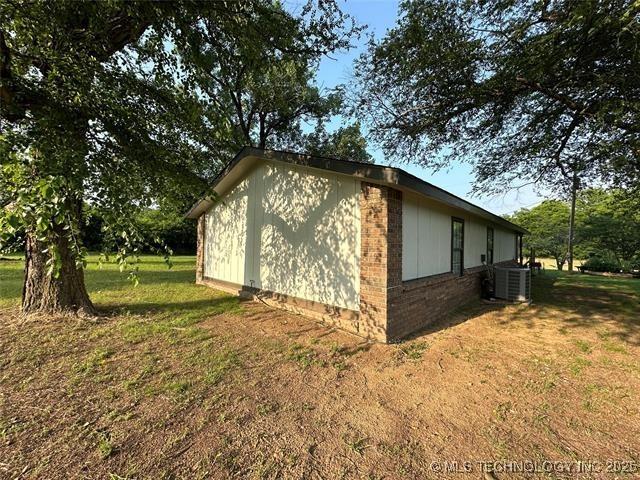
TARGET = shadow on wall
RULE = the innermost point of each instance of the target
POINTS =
(285, 230)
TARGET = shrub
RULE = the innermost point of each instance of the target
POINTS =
(601, 264)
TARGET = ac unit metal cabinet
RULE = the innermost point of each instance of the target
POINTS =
(513, 284)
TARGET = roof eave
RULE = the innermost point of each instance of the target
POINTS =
(367, 171)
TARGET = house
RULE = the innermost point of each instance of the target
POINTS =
(371, 249)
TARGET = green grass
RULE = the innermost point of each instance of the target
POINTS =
(170, 292)
(413, 350)
(583, 346)
(162, 313)
(587, 294)
(166, 368)
(356, 444)
(303, 356)
(578, 365)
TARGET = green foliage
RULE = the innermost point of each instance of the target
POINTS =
(607, 229)
(345, 143)
(602, 264)
(548, 224)
(169, 228)
(118, 105)
(45, 204)
(263, 90)
(611, 225)
(525, 91)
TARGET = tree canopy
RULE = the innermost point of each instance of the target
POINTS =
(548, 224)
(610, 222)
(529, 92)
(106, 103)
(346, 143)
(607, 227)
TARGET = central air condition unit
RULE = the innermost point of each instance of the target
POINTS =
(513, 284)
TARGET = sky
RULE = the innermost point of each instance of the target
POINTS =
(380, 16)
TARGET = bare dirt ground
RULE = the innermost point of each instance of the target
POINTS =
(258, 393)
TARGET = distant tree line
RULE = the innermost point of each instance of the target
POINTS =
(607, 230)
(155, 229)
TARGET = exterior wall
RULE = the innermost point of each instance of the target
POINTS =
(295, 238)
(290, 230)
(426, 240)
(426, 301)
(200, 249)
(340, 317)
(505, 246)
(381, 257)
(429, 291)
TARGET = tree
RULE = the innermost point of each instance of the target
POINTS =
(345, 143)
(262, 89)
(529, 92)
(548, 224)
(610, 224)
(163, 225)
(101, 104)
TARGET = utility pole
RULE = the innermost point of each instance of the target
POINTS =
(572, 218)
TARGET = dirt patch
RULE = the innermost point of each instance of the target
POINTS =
(260, 393)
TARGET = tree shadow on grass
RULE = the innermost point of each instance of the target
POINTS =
(579, 301)
(573, 301)
(203, 307)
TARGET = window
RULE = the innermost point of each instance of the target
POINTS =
(489, 245)
(457, 246)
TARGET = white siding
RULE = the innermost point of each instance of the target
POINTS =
(426, 238)
(505, 245)
(289, 230)
(475, 241)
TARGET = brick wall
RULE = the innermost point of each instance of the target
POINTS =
(380, 257)
(391, 309)
(200, 250)
(426, 301)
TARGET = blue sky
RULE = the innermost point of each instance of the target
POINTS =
(379, 16)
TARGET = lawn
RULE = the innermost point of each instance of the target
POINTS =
(176, 380)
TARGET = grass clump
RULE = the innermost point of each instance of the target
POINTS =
(106, 448)
(179, 387)
(609, 344)
(303, 356)
(218, 364)
(413, 351)
(267, 408)
(94, 361)
(578, 365)
(614, 347)
(583, 346)
(356, 444)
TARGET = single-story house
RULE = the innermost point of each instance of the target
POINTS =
(369, 248)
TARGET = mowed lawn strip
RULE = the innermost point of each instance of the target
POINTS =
(180, 381)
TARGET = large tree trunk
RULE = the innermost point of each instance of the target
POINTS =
(46, 293)
(50, 294)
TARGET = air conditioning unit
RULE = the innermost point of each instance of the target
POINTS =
(513, 284)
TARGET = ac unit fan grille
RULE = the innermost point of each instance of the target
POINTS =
(513, 284)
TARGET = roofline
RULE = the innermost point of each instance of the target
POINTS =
(367, 171)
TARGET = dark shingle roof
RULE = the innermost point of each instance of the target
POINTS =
(374, 173)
